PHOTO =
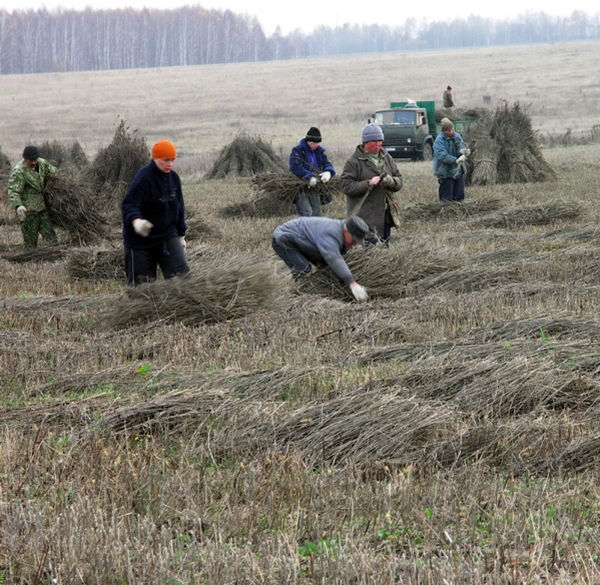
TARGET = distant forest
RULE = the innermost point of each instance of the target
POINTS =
(38, 41)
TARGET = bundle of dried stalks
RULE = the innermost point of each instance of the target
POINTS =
(510, 443)
(491, 388)
(276, 191)
(460, 113)
(5, 168)
(74, 207)
(540, 214)
(212, 293)
(74, 303)
(544, 326)
(199, 229)
(483, 169)
(114, 167)
(96, 264)
(575, 356)
(286, 185)
(206, 397)
(577, 233)
(265, 206)
(41, 254)
(62, 156)
(245, 156)
(173, 410)
(362, 427)
(62, 415)
(455, 210)
(465, 279)
(385, 272)
(8, 214)
(505, 149)
(580, 456)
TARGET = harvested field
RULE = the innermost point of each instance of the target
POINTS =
(234, 426)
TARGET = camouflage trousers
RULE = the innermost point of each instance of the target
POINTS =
(37, 222)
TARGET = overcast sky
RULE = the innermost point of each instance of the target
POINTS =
(306, 14)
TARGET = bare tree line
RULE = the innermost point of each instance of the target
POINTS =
(37, 41)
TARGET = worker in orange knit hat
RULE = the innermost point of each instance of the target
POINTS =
(154, 219)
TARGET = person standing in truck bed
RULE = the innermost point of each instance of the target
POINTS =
(448, 98)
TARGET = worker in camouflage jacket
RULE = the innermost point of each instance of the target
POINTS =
(26, 185)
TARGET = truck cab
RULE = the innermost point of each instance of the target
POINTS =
(408, 129)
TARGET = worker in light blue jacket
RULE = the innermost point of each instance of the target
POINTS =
(449, 162)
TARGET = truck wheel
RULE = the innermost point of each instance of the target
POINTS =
(427, 151)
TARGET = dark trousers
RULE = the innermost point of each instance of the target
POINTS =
(308, 204)
(37, 223)
(385, 236)
(294, 259)
(141, 265)
(452, 189)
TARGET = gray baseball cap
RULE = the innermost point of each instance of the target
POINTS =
(358, 228)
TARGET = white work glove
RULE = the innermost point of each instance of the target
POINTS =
(388, 180)
(461, 159)
(325, 176)
(183, 242)
(21, 212)
(142, 227)
(312, 182)
(359, 292)
(465, 151)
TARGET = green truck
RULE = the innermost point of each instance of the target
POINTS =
(409, 129)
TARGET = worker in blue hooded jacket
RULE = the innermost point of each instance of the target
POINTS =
(449, 162)
(309, 162)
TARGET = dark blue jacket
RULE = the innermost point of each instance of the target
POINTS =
(306, 163)
(157, 197)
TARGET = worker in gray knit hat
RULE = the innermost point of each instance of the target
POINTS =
(370, 180)
(309, 162)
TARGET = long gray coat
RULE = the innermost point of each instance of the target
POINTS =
(358, 169)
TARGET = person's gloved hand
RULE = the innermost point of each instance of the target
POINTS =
(388, 180)
(359, 292)
(325, 176)
(183, 242)
(21, 212)
(312, 182)
(142, 227)
(465, 151)
(461, 159)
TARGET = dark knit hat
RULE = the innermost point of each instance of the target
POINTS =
(313, 135)
(358, 228)
(31, 153)
(372, 133)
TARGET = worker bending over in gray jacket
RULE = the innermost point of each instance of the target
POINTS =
(321, 241)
